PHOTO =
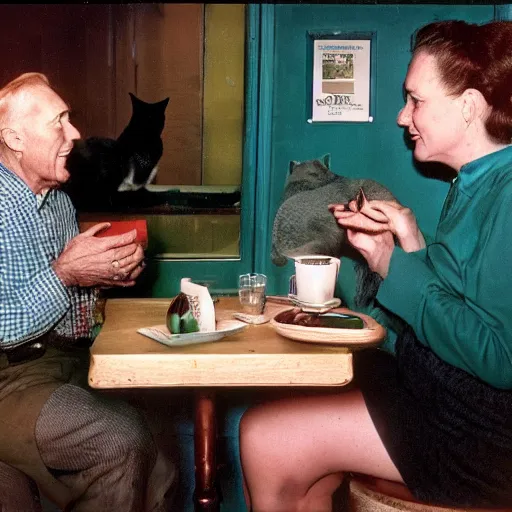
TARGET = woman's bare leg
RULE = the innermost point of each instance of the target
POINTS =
(295, 451)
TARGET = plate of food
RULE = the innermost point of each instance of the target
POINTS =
(339, 326)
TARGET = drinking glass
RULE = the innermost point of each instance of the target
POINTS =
(251, 293)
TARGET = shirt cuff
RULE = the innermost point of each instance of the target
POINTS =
(402, 292)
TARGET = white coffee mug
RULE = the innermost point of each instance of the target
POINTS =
(316, 277)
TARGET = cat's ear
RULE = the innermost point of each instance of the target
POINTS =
(163, 103)
(137, 101)
(293, 164)
(326, 160)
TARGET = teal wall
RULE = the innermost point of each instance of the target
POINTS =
(374, 150)
(278, 105)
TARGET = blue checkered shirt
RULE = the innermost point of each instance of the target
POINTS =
(34, 230)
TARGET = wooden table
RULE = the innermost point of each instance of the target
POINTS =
(258, 356)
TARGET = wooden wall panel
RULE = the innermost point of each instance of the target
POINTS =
(169, 58)
(69, 44)
(94, 55)
(150, 52)
(100, 94)
(123, 26)
(63, 57)
(20, 40)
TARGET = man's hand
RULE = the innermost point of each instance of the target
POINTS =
(91, 261)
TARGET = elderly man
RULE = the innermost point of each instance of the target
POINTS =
(84, 451)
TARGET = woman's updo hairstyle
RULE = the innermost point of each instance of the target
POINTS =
(471, 56)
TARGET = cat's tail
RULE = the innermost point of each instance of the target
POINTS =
(367, 284)
(277, 258)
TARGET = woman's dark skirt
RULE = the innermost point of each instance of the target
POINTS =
(448, 433)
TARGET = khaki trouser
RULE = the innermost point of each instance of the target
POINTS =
(86, 452)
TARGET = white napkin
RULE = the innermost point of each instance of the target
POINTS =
(201, 303)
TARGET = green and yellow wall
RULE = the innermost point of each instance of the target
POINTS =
(279, 106)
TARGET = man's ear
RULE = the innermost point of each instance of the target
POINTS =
(12, 139)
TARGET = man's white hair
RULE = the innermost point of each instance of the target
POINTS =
(14, 94)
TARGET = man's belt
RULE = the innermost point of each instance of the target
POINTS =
(29, 351)
(34, 349)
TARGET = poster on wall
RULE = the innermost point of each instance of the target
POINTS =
(341, 80)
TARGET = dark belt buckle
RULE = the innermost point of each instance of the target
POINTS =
(25, 353)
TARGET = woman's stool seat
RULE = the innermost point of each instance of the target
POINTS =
(369, 494)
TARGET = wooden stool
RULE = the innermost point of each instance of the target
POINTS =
(368, 494)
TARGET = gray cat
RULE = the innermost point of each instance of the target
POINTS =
(304, 225)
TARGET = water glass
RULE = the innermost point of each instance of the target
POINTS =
(251, 292)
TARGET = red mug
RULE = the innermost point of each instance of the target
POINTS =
(118, 227)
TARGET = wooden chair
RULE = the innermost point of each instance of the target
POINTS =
(369, 494)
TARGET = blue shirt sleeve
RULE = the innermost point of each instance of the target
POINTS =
(32, 298)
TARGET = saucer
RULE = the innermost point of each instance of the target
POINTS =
(309, 307)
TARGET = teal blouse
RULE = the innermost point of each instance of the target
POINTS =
(457, 293)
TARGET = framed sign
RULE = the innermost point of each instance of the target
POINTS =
(341, 80)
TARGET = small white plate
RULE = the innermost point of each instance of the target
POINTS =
(161, 334)
(309, 307)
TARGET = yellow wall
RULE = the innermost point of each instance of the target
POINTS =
(194, 236)
(223, 94)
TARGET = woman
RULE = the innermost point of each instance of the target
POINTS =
(438, 416)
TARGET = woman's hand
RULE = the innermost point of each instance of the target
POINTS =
(376, 248)
(379, 216)
(91, 261)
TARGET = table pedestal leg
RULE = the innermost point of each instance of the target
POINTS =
(205, 437)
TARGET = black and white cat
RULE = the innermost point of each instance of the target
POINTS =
(101, 167)
(304, 225)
